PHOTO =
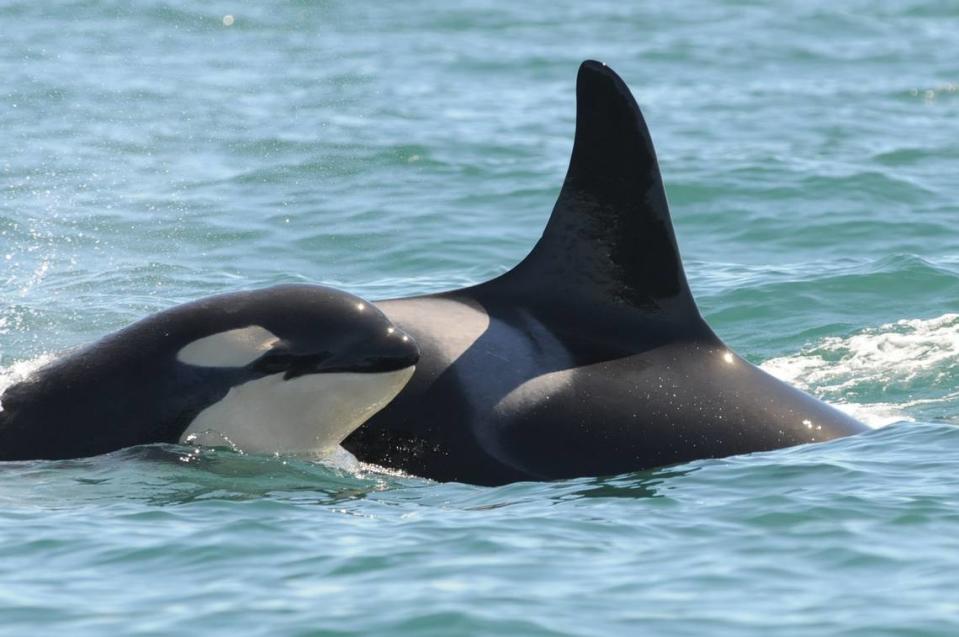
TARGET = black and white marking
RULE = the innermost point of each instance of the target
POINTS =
(290, 369)
(590, 357)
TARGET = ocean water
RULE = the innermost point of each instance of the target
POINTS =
(160, 151)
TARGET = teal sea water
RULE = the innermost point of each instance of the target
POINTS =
(160, 151)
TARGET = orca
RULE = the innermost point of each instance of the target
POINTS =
(590, 357)
(288, 369)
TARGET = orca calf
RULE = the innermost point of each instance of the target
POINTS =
(289, 369)
(590, 357)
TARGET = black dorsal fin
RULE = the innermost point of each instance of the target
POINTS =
(610, 238)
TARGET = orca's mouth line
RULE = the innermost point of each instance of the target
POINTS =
(293, 365)
(370, 365)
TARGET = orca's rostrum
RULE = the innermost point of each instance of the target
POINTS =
(590, 357)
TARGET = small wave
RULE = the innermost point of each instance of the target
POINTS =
(897, 371)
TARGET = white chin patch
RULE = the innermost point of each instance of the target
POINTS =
(310, 415)
(234, 348)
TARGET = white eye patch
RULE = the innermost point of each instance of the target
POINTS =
(233, 348)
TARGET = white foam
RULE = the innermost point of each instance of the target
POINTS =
(897, 357)
(20, 370)
(876, 415)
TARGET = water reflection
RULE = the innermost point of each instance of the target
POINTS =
(642, 484)
(170, 475)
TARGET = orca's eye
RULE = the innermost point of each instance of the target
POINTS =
(274, 362)
(293, 365)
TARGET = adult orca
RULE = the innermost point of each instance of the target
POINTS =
(288, 369)
(590, 357)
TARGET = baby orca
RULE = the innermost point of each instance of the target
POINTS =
(289, 369)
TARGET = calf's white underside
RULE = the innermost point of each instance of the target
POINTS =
(310, 415)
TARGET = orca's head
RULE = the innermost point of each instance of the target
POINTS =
(306, 365)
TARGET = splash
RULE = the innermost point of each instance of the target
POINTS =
(19, 371)
(882, 375)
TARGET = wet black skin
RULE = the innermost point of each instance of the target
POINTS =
(602, 299)
(129, 388)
